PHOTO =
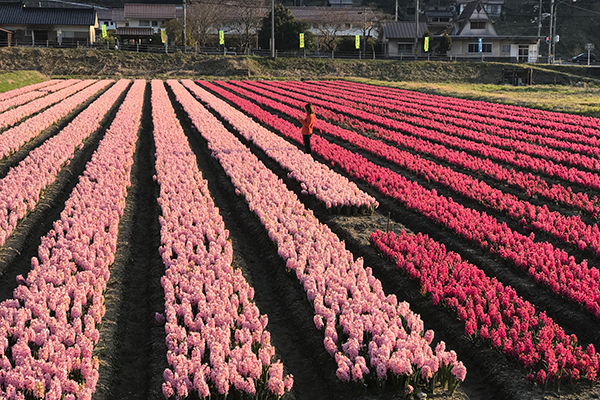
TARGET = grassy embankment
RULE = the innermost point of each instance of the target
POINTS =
(17, 79)
(566, 89)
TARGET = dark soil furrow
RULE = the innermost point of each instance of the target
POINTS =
(22, 244)
(132, 350)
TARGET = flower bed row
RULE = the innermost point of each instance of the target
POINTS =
(332, 189)
(538, 165)
(565, 136)
(48, 330)
(22, 187)
(12, 139)
(216, 338)
(490, 310)
(549, 266)
(529, 116)
(367, 113)
(528, 182)
(34, 94)
(19, 91)
(371, 335)
(13, 116)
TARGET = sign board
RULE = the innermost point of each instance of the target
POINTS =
(480, 45)
(589, 46)
(221, 37)
(302, 40)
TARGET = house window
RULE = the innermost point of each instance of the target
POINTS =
(506, 48)
(154, 23)
(477, 24)
(126, 23)
(405, 48)
(144, 22)
(348, 26)
(523, 53)
(485, 48)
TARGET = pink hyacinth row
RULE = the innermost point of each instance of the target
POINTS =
(13, 116)
(12, 139)
(48, 330)
(381, 338)
(531, 184)
(568, 229)
(446, 135)
(554, 136)
(524, 115)
(34, 94)
(546, 264)
(317, 179)
(19, 91)
(21, 188)
(216, 336)
(491, 310)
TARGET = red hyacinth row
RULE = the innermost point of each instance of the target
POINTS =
(216, 338)
(547, 265)
(368, 113)
(332, 189)
(557, 135)
(490, 310)
(530, 116)
(377, 337)
(48, 330)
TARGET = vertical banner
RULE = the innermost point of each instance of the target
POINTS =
(163, 35)
(221, 37)
(302, 40)
(426, 44)
(480, 45)
(104, 34)
(357, 41)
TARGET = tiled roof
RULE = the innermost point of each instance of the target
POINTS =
(403, 30)
(16, 14)
(151, 11)
(134, 31)
(343, 14)
(112, 14)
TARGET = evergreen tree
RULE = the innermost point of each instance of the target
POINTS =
(287, 30)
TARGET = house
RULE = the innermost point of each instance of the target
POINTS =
(399, 38)
(41, 26)
(474, 37)
(492, 7)
(330, 23)
(137, 23)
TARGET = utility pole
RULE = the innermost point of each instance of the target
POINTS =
(184, 27)
(272, 28)
(550, 55)
(396, 18)
(417, 29)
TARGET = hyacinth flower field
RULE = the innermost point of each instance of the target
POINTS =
(172, 240)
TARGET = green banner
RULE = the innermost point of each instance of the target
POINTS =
(302, 40)
(221, 37)
(357, 41)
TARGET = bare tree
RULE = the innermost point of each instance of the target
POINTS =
(204, 17)
(245, 19)
(328, 27)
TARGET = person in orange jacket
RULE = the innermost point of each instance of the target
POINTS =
(307, 126)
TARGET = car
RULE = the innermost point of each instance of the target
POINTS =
(583, 58)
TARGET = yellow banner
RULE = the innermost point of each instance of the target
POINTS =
(163, 35)
(104, 34)
(302, 40)
(357, 41)
(426, 44)
(221, 37)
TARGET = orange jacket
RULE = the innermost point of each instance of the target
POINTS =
(307, 124)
